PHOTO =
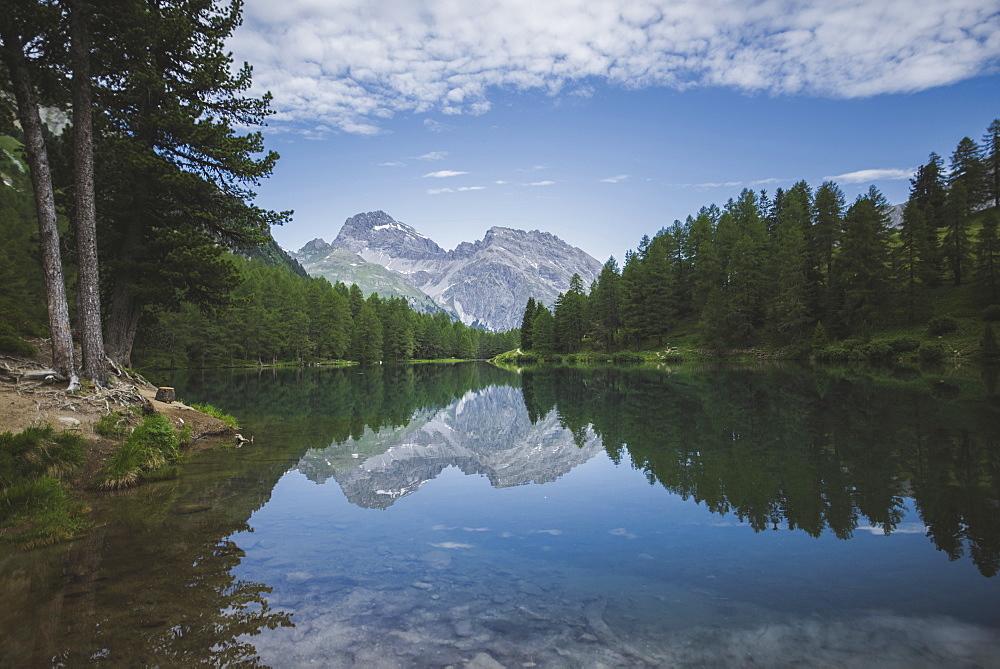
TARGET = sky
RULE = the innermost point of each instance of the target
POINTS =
(603, 121)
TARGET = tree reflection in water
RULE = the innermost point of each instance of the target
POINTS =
(810, 449)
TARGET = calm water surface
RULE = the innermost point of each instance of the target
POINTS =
(422, 516)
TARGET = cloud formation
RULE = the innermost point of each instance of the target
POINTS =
(864, 176)
(461, 189)
(615, 179)
(443, 174)
(542, 183)
(350, 64)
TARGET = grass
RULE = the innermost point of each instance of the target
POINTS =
(215, 412)
(116, 425)
(149, 453)
(35, 506)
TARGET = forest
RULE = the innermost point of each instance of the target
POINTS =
(802, 271)
(126, 205)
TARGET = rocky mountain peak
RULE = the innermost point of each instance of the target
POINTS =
(378, 231)
(484, 283)
(314, 248)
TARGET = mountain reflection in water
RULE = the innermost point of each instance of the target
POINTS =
(465, 515)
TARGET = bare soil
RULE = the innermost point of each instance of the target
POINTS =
(24, 403)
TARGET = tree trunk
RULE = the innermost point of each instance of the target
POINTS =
(88, 282)
(123, 322)
(41, 180)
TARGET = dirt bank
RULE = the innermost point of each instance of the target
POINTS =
(25, 402)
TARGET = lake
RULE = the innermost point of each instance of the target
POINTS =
(464, 515)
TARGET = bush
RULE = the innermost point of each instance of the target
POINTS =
(626, 358)
(216, 413)
(38, 451)
(878, 351)
(116, 424)
(904, 344)
(147, 453)
(991, 314)
(11, 342)
(941, 325)
(31, 499)
(931, 352)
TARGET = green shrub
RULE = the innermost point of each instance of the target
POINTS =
(931, 352)
(32, 500)
(941, 325)
(152, 447)
(116, 424)
(38, 451)
(217, 413)
(626, 358)
(12, 344)
(991, 314)
(904, 344)
(878, 351)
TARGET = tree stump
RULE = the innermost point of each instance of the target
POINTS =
(165, 394)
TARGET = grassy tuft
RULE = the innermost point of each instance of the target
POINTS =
(35, 507)
(226, 418)
(148, 453)
(116, 424)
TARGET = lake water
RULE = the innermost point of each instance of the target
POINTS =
(434, 516)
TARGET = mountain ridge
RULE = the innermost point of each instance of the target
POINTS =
(484, 283)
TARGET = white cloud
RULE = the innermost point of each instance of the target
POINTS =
(441, 174)
(615, 179)
(863, 176)
(436, 126)
(432, 155)
(394, 163)
(351, 64)
(500, 182)
(461, 189)
(541, 183)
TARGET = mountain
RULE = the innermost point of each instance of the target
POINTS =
(484, 283)
(337, 264)
(487, 432)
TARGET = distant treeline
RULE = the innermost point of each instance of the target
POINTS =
(794, 269)
(274, 315)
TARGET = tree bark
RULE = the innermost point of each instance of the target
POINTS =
(41, 179)
(88, 282)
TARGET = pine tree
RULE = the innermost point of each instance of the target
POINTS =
(173, 161)
(605, 301)
(571, 317)
(928, 195)
(860, 274)
(789, 302)
(991, 162)
(543, 326)
(967, 169)
(829, 225)
(988, 256)
(956, 236)
(19, 33)
(526, 324)
(366, 346)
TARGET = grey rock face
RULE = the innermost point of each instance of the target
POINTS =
(485, 283)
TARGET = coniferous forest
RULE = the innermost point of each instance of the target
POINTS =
(126, 205)
(803, 271)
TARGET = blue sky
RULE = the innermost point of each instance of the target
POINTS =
(603, 124)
